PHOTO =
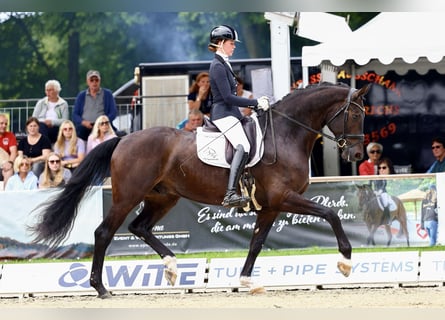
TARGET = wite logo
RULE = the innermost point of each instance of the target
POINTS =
(77, 275)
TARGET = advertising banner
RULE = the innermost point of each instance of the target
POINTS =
(19, 210)
(196, 227)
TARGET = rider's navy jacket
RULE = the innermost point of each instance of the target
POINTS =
(223, 86)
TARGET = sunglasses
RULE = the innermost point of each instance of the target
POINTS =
(67, 129)
(383, 168)
(94, 80)
(375, 151)
(24, 165)
(53, 161)
(103, 123)
(436, 147)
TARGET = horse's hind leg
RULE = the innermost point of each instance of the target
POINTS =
(102, 238)
(263, 224)
(155, 207)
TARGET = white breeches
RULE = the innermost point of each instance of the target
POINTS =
(233, 131)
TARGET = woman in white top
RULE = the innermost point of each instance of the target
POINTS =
(102, 131)
(23, 178)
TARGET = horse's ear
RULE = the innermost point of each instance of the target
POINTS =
(364, 90)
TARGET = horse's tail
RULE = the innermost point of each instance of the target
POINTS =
(58, 214)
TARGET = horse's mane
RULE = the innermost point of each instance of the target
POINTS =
(302, 92)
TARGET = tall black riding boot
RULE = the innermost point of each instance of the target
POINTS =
(386, 215)
(232, 199)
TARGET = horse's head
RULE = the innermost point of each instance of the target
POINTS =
(346, 122)
(364, 195)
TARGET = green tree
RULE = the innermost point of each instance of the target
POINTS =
(36, 47)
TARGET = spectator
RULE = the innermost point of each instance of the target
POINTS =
(7, 172)
(199, 97)
(35, 146)
(8, 142)
(92, 103)
(101, 132)
(195, 120)
(241, 92)
(69, 146)
(369, 167)
(438, 153)
(54, 175)
(23, 178)
(51, 110)
(384, 167)
(429, 218)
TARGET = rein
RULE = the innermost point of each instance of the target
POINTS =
(341, 141)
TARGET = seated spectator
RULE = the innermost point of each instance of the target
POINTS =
(92, 103)
(54, 175)
(23, 178)
(51, 110)
(241, 92)
(35, 146)
(69, 146)
(438, 149)
(8, 142)
(199, 97)
(195, 120)
(369, 167)
(7, 172)
(102, 131)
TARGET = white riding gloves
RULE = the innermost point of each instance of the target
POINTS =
(263, 103)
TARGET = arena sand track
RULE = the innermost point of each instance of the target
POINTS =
(432, 297)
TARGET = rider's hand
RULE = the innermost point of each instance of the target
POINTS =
(263, 103)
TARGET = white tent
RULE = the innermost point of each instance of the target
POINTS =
(397, 41)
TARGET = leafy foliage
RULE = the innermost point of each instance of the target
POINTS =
(40, 46)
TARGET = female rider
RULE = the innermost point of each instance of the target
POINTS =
(225, 112)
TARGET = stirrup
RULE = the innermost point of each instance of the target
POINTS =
(231, 199)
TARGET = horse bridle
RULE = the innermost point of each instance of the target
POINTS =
(341, 141)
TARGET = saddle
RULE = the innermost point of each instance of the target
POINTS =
(214, 149)
(249, 127)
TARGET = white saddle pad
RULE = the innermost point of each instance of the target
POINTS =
(211, 146)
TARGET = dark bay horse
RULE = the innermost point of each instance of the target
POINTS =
(159, 165)
(374, 215)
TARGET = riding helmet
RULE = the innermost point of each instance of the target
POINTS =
(222, 32)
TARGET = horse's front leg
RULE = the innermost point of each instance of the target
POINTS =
(263, 224)
(295, 202)
(389, 234)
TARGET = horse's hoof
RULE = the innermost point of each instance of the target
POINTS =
(105, 295)
(257, 290)
(170, 272)
(345, 266)
(170, 276)
(253, 288)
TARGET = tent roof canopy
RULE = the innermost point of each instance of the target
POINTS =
(391, 41)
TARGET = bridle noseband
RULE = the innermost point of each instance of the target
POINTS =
(342, 139)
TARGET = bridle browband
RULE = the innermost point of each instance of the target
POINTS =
(342, 139)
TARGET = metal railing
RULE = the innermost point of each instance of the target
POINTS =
(130, 111)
